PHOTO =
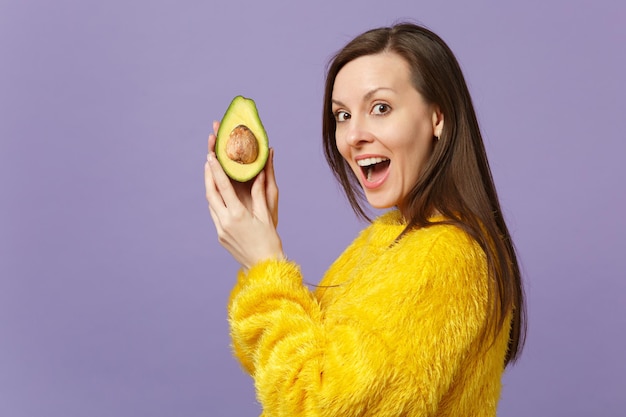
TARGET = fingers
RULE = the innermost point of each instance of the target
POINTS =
(221, 193)
(212, 193)
(212, 139)
(271, 189)
(213, 136)
(259, 202)
(269, 167)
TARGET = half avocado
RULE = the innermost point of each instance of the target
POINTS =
(242, 146)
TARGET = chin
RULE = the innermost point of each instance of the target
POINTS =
(379, 204)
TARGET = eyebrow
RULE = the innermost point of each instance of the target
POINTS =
(367, 95)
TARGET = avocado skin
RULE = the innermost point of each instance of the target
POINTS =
(241, 111)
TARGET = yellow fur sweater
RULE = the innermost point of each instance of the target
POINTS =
(392, 330)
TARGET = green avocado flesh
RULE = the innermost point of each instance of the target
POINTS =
(242, 146)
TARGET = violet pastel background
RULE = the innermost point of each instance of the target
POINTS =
(112, 284)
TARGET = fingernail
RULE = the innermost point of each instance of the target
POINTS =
(209, 157)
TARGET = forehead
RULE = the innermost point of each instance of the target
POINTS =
(365, 73)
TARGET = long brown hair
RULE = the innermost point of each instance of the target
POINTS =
(456, 181)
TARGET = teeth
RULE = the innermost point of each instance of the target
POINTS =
(370, 161)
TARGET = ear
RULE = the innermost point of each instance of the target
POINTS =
(437, 119)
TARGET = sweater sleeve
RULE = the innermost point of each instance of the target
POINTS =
(393, 348)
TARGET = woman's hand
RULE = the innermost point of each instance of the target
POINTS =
(245, 214)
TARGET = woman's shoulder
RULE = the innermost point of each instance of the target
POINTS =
(443, 242)
(443, 239)
(440, 232)
(445, 233)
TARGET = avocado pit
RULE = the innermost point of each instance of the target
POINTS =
(242, 146)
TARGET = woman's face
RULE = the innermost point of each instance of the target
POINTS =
(385, 129)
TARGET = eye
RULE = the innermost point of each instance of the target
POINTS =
(381, 108)
(342, 116)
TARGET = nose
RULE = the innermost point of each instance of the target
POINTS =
(357, 133)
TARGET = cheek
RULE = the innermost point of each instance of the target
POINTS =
(422, 157)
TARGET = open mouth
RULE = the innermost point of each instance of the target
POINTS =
(374, 169)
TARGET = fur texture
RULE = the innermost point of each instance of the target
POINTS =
(392, 330)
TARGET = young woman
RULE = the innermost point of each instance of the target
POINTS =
(422, 312)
